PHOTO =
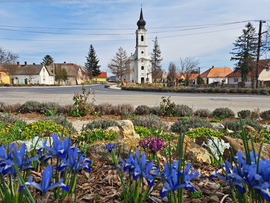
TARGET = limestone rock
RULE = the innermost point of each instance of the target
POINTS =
(115, 129)
(218, 127)
(249, 129)
(197, 153)
(200, 140)
(237, 145)
(126, 130)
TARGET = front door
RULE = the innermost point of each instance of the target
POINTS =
(142, 80)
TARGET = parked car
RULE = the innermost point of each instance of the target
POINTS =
(215, 84)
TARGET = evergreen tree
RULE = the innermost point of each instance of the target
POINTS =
(155, 61)
(91, 64)
(47, 60)
(245, 49)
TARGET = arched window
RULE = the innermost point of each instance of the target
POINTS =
(142, 38)
(142, 67)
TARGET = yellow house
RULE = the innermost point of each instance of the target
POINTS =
(101, 78)
(4, 77)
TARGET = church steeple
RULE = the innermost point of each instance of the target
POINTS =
(141, 23)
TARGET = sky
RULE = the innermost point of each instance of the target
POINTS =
(201, 29)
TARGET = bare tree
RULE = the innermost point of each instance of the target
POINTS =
(7, 56)
(11, 68)
(172, 74)
(187, 66)
(120, 64)
(265, 48)
(156, 60)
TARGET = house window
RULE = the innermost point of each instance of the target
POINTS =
(0, 77)
(142, 38)
(44, 78)
(235, 79)
(43, 70)
(142, 68)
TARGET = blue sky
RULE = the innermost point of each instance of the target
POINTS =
(64, 29)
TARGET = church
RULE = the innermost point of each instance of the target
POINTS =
(140, 61)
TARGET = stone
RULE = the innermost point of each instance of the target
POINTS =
(237, 145)
(200, 140)
(214, 198)
(249, 129)
(126, 130)
(218, 127)
(115, 129)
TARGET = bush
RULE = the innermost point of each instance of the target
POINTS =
(182, 110)
(211, 90)
(155, 110)
(191, 123)
(8, 118)
(218, 90)
(264, 92)
(122, 109)
(225, 90)
(42, 128)
(202, 113)
(265, 115)
(192, 134)
(46, 106)
(235, 125)
(240, 90)
(66, 108)
(100, 123)
(142, 131)
(233, 90)
(30, 107)
(244, 114)
(247, 91)
(104, 108)
(9, 107)
(255, 91)
(149, 122)
(142, 110)
(226, 112)
(61, 121)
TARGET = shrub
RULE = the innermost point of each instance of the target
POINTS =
(235, 125)
(142, 110)
(142, 131)
(104, 108)
(247, 91)
(244, 114)
(122, 109)
(233, 90)
(46, 106)
(226, 112)
(191, 123)
(66, 108)
(100, 123)
(155, 110)
(9, 107)
(42, 128)
(30, 107)
(225, 90)
(183, 110)
(199, 90)
(264, 92)
(255, 91)
(202, 113)
(149, 122)
(61, 121)
(166, 106)
(205, 90)
(265, 115)
(192, 134)
(8, 118)
(240, 90)
(211, 90)
(218, 90)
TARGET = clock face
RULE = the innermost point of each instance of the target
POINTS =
(142, 52)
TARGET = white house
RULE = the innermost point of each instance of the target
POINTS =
(32, 74)
(216, 74)
(140, 65)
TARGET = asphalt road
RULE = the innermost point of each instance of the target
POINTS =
(64, 94)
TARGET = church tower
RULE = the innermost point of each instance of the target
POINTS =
(140, 61)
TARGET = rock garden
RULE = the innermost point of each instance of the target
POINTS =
(167, 153)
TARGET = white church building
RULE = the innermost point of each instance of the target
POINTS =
(140, 61)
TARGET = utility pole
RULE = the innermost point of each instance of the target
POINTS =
(258, 53)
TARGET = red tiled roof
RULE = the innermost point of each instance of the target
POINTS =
(216, 72)
(2, 69)
(191, 76)
(102, 75)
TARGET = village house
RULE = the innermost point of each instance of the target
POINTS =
(31, 74)
(191, 77)
(263, 75)
(216, 74)
(4, 77)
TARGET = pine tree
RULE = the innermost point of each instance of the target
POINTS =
(91, 64)
(120, 64)
(245, 48)
(155, 61)
(47, 60)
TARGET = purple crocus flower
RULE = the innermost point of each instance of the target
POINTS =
(153, 144)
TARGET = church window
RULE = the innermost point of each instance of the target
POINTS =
(142, 52)
(142, 38)
(142, 67)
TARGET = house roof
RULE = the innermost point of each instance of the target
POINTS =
(262, 64)
(102, 75)
(191, 76)
(2, 69)
(216, 72)
(23, 70)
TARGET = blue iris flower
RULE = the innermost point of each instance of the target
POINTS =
(171, 175)
(131, 162)
(110, 147)
(59, 149)
(45, 183)
(148, 175)
(75, 161)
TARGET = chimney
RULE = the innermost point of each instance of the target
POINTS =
(34, 64)
(213, 66)
(64, 62)
(25, 63)
(18, 63)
